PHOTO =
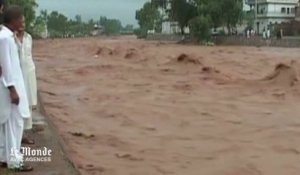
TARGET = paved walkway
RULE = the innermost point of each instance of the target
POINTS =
(59, 165)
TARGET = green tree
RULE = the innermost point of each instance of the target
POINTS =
(102, 21)
(249, 18)
(129, 28)
(200, 28)
(39, 27)
(158, 24)
(147, 17)
(112, 27)
(232, 12)
(78, 19)
(182, 12)
(214, 9)
(61, 26)
(57, 23)
(225, 12)
(91, 24)
(44, 14)
(160, 3)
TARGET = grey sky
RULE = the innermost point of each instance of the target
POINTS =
(120, 9)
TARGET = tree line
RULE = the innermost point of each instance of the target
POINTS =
(199, 15)
(59, 25)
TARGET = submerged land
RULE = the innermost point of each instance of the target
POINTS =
(134, 107)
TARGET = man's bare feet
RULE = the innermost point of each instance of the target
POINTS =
(23, 168)
(34, 108)
(27, 141)
(38, 128)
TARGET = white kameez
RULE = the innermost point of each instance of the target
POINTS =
(11, 116)
(29, 74)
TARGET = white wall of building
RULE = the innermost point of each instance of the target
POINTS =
(270, 12)
(298, 12)
(171, 27)
(246, 7)
(276, 10)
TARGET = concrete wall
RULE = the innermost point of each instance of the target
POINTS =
(266, 23)
(164, 37)
(256, 41)
(276, 1)
(231, 40)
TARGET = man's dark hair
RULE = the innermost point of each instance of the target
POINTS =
(1, 3)
(12, 13)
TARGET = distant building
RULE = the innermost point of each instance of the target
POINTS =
(271, 12)
(298, 12)
(168, 26)
(172, 27)
(246, 6)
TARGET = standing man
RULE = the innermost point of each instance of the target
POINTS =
(1, 133)
(264, 34)
(28, 68)
(1, 11)
(14, 103)
(248, 33)
(269, 33)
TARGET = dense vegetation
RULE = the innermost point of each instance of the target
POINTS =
(199, 15)
(58, 25)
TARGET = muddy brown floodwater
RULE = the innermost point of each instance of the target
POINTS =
(131, 107)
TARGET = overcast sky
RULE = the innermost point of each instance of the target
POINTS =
(120, 9)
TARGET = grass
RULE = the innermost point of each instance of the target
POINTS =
(6, 172)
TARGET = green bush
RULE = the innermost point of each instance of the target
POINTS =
(222, 32)
(200, 28)
(141, 33)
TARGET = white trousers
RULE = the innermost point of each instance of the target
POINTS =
(28, 121)
(10, 139)
(31, 88)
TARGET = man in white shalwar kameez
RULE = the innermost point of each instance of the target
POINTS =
(1, 134)
(14, 105)
(28, 68)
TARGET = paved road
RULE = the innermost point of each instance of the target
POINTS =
(59, 165)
